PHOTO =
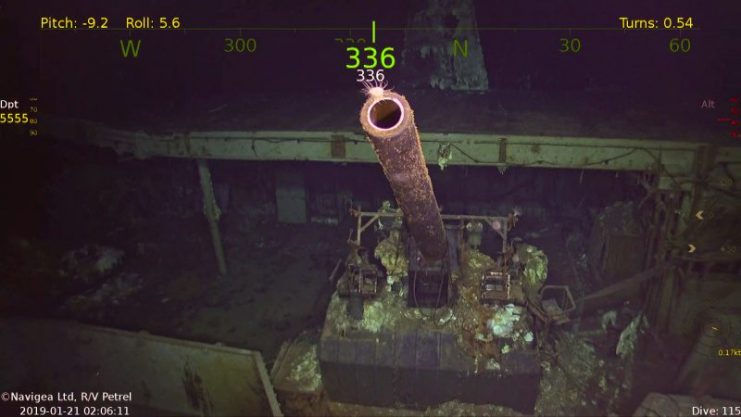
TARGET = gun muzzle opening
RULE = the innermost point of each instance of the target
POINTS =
(386, 114)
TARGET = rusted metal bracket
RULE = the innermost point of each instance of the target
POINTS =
(212, 213)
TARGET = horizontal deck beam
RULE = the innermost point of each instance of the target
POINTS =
(671, 158)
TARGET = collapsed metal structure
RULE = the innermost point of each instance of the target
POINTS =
(175, 376)
(390, 358)
(680, 176)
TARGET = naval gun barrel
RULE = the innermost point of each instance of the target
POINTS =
(388, 121)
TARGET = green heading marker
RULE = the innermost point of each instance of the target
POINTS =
(373, 32)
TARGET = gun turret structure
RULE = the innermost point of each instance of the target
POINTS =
(421, 314)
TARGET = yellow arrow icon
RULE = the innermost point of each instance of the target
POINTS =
(699, 215)
(692, 248)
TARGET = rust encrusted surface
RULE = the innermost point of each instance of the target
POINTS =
(400, 152)
(390, 252)
(447, 409)
(467, 317)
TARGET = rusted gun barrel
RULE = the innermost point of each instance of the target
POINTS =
(389, 122)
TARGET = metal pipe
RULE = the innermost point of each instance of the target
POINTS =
(389, 122)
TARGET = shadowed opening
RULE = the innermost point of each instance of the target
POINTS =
(385, 114)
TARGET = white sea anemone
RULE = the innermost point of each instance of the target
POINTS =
(374, 89)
